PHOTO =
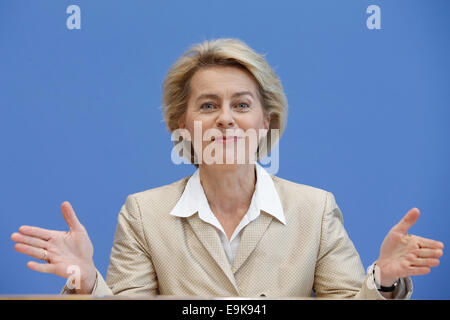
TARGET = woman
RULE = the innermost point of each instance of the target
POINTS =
(230, 229)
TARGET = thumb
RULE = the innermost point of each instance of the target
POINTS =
(407, 221)
(70, 216)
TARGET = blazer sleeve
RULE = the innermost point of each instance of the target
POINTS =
(339, 271)
(130, 270)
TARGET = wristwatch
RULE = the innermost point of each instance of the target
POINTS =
(382, 288)
(388, 289)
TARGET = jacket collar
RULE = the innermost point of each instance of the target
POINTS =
(265, 198)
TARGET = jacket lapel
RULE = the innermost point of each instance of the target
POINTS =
(251, 235)
(210, 239)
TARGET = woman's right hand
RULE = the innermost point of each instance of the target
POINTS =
(66, 251)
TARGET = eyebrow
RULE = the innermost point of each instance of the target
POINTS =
(215, 96)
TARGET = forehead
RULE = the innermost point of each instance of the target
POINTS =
(222, 79)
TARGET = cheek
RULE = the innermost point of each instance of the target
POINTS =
(198, 126)
(251, 122)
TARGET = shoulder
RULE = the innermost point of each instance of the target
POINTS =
(301, 195)
(293, 189)
(160, 199)
(168, 189)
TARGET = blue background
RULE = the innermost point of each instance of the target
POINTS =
(80, 116)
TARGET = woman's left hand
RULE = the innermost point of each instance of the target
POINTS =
(403, 255)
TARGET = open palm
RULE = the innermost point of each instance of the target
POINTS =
(61, 250)
(403, 255)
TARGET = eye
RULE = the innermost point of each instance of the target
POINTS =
(242, 106)
(207, 106)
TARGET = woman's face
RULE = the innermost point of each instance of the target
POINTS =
(224, 98)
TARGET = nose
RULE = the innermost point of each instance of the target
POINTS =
(225, 118)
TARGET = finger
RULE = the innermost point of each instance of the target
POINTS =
(428, 253)
(32, 241)
(418, 271)
(36, 232)
(425, 262)
(429, 243)
(41, 267)
(37, 253)
(70, 216)
(407, 221)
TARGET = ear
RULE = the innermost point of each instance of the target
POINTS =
(267, 122)
(181, 123)
(266, 126)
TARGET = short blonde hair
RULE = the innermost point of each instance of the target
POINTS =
(225, 52)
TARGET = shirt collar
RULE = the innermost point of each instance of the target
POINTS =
(265, 198)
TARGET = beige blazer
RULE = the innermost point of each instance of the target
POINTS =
(155, 253)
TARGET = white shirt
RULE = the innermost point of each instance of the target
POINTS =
(265, 197)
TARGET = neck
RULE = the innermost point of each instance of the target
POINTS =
(228, 188)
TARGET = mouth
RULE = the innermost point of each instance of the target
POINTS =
(225, 139)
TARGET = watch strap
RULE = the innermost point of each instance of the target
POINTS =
(382, 288)
(388, 289)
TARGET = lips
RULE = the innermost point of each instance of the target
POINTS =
(226, 138)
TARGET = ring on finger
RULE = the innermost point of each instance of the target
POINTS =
(45, 255)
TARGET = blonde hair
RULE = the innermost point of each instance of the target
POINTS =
(225, 52)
